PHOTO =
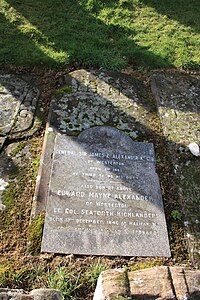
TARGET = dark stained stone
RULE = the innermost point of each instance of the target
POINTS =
(104, 197)
(18, 101)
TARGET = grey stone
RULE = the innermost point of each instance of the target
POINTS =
(37, 294)
(18, 100)
(178, 97)
(14, 294)
(2, 141)
(104, 197)
(46, 294)
(94, 98)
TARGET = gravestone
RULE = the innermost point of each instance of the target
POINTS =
(104, 197)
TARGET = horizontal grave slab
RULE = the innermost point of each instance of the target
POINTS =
(104, 197)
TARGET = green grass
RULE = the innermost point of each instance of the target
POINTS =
(109, 34)
(67, 281)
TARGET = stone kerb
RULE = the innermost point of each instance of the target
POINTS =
(160, 283)
(37, 294)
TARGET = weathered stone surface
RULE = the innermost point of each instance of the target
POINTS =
(46, 294)
(96, 98)
(18, 101)
(159, 283)
(14, 294)
(2, 141)
(104, 197)
(6, 168)
(37, 294)
(112, 283)
(151, 282)
(42, 183)
(192, 280)
(93, 98)
(178, 96)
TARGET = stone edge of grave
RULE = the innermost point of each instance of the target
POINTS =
(42, 182)
(161, 282)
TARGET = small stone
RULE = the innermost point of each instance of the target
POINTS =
(3, 184)
(46, 294)
(133, 134)
(194, 149)
(2, 206)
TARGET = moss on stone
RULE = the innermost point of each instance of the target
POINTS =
(66, 89)
(120, 298)
(34, 234)
(144, 265)
(18, 148)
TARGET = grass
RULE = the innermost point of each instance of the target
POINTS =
(65, 280)
(94, 271)
(108, 34)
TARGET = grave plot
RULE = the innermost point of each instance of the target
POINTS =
(100, 189)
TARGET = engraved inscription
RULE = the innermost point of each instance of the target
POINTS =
(107, 187)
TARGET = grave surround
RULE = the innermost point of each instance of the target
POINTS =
(98, 188)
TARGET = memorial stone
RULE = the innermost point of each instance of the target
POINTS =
(104, 197)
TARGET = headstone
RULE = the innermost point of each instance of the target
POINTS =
(104, 197)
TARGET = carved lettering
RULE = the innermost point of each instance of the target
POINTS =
(99, 195)
(71, 193)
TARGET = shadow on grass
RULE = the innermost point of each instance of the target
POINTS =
(66, 32)
(186, 13)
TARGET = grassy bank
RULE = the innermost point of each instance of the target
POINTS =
(109, 34)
